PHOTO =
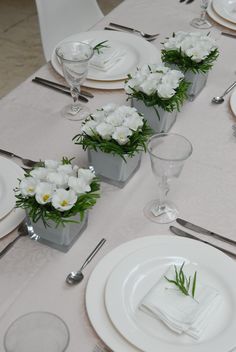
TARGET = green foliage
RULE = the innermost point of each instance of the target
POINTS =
(185, 63)
(137, 142)
(173, 103)
(183, 282)
(100, 46)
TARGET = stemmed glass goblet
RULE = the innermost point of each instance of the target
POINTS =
(201, 22)
(168, 152)
(74, 58)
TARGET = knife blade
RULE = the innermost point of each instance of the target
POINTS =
(82, 91)
(199, 229)
(229, 34)
(62, 90)
(182, 233)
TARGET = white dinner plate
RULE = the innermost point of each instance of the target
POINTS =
(131, 280)
(137, 51)
(211, 12)
(225, 9)
(95, 304)
(233, 102)
(9, 173)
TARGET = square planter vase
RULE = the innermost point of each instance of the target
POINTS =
(112, 168)
(198, 82)
(61, 237)
(158, 119)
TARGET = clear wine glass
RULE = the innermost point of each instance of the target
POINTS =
(74, 58)
(201, 22)
(168, 152)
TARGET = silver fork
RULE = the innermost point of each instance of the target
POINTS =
(132, 30)
(99, 348)
(26, 162)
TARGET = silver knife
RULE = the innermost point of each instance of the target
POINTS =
(229, 34)
(82, 91)
(199, 229)
(181, 233)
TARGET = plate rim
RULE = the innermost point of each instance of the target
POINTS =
(218, 19)
(232, 102)
(224, 14)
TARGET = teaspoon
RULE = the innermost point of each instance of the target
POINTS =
(75, 277)
(219, 100)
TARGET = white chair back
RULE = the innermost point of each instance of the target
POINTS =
(59, 19)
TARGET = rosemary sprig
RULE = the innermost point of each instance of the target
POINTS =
(100, 46)
(183, 282)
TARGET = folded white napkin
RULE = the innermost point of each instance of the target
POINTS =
(106, 59)
(179, 312)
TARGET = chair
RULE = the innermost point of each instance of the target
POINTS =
(61, 18)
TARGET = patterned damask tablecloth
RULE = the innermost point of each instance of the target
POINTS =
(32, 275)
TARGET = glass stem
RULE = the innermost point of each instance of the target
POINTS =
(163, 190)
(74, 91)
(203, 15)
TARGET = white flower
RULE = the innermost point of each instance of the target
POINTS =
(78, 185)
(99, 116)
(66, 169)
(105, 130)
(172, 78)
(134, 122)
(165, 91)
(109, 108)
(86, 174)
(89, 127)
(51, 164)
(44, 192)
(59, 179)
(121, 134)
(40, 173)
(63, 200)
(28, 186)
(115, 118)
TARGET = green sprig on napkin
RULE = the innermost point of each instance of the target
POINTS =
(100, 46)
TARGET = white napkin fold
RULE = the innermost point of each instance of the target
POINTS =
(107, 58)
(179, 312)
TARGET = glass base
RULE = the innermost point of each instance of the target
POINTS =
(166, 214)
(200, 24)
(81, 113)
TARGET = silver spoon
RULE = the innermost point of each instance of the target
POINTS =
(219, 100)
(77, 276)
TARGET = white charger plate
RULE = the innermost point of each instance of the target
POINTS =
(133, 277)
(225, 9)
(137, 52)
(9, 173)
(211, 12)
(95, 304)
(232, 102)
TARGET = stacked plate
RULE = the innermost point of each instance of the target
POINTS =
(125, 275)
(9, 175)
(223, 12)
(134, 52)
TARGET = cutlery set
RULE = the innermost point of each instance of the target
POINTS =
(147, 36)
(203, 231)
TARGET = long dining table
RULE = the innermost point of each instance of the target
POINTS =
(32, 275)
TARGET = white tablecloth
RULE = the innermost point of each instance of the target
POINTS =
(32, 275)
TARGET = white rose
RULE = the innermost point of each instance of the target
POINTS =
(44, 192)
(59, 179)
(105, 130)
(115, 118)
(149, 86)
(130, 85)
(78, 185)
(99, 116)
(108, 108)
(133, 122)
(89, 127)
(63, 200)
(172, 78)
(28, 186)
(86, 174)
(121, 134)
(165, 91)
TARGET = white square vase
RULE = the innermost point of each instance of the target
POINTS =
(61, 237)
(112, 168)
(157, 118)
(198, 82)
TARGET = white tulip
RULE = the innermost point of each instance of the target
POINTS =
(78, 185)
(63, 200)
(28, 186)
(105, 130)
(121, 134)
(44, 192)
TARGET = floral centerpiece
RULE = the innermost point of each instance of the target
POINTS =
(114, 136)
(57, 196)
(158, 92)
(194, 54)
